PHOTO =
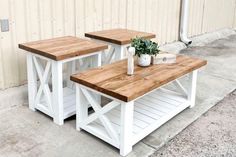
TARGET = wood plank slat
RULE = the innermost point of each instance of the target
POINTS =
(163, 99)
(151, 99)
(115, 119)
(177, 97)
(149, 109)
(141, 117)
(137, 122)
(146, 112)
(158, 107)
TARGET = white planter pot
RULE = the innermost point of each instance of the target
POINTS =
(144, 60)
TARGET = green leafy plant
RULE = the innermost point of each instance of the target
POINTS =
(144, 46)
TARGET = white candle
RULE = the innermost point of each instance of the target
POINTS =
(130, 66)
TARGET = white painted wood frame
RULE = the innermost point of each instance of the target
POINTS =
(32, 81)
(123, 124)
(57, 102)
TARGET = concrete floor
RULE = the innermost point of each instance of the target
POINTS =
(24, 133)
(213, 134)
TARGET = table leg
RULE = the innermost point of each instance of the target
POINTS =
(126, 134)
(71, 68)
(119, 52)
(192, 88)
(81, 108)
(57, 86)
(122, 52)
(97, 62)
(32, 81)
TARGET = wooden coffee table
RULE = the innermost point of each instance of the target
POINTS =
(118, 39)
(45, 60)
(139, 103)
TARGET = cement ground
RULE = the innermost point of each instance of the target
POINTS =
(212, 135)
(24, 133)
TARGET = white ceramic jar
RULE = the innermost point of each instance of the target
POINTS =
(144, 60)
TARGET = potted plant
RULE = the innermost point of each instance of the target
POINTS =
(144, 49)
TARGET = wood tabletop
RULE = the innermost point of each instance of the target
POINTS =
(118, 36)
(63, 47)
(113, 79)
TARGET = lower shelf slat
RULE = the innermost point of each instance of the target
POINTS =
(149, 113)
(68, 103)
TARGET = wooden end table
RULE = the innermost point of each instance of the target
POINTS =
(45, 61)
(118, 39)
(139, 103)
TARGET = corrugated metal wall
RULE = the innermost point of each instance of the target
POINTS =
(218, 14)
(41, 19)
(210, 15)
(145, 15)
(234, 23)
(30, 20)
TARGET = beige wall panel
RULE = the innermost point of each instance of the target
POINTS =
(154, 16)
(69, 17)
(30, 20)
(33, 20)
(80, 17)
(58, 18)
(9, 57)
(1, 64)
(19, 35)
(107, 12)
(196, 11)
(218, 14)
(46, 20)
(92, 15)
(234, 23)
(114, 13)
(89, 15)
(1, 67)
(123, 13)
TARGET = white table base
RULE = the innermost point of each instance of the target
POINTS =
(57, 102)
(123, 124)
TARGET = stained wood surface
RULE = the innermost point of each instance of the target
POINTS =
(118, 36)
(113, 79)
(63, 47)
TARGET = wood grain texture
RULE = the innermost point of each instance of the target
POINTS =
(118, 36)
(63, 47)
(113, 79)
